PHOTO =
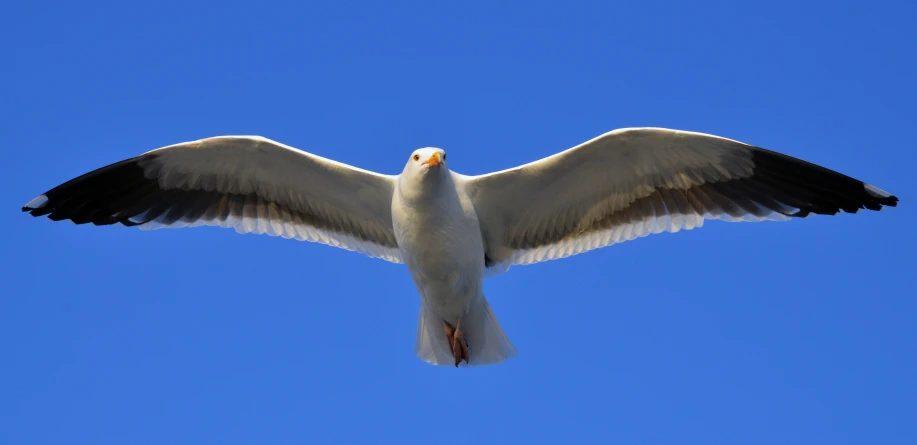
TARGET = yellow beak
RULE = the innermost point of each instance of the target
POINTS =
(434, 160)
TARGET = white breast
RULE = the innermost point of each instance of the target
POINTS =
(440, 240)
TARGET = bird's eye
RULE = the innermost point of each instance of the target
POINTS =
(444, 156)
(416, 157)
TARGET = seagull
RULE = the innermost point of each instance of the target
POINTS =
(452, 230)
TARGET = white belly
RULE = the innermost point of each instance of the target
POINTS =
(444, 252)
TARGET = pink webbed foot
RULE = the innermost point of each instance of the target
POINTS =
(457, 343)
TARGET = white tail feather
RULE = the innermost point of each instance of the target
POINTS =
(487, 344)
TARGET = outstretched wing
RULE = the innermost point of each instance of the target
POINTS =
(630, 183)
(250, 183)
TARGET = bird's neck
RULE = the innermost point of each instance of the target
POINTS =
(428, 190)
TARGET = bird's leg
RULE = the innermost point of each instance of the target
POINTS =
(461, 346)
(456, 341)
(450, 334)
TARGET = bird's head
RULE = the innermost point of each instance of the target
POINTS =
(427, 163)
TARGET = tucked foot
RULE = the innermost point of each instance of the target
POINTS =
(457, 342)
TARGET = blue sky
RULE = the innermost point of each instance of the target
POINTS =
(792, 333)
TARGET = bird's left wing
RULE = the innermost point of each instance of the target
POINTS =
(250, 183)
(630, 183)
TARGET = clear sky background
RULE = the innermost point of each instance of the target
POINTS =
(775, 333)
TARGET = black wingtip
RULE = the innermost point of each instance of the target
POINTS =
(36, 205)
(811, 188)
(881, 197)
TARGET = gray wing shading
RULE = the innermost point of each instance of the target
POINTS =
(249, 183)
(630, 183)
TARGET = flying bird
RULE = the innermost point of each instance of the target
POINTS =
(452, 230)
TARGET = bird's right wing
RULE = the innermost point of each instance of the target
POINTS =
(250, 183)
(630, 183)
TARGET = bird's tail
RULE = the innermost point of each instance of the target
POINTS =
(487, 344)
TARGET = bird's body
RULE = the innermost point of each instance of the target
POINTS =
(439, 235)
(440, 240)
(450, 230)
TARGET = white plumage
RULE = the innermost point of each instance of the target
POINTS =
(450, 229)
